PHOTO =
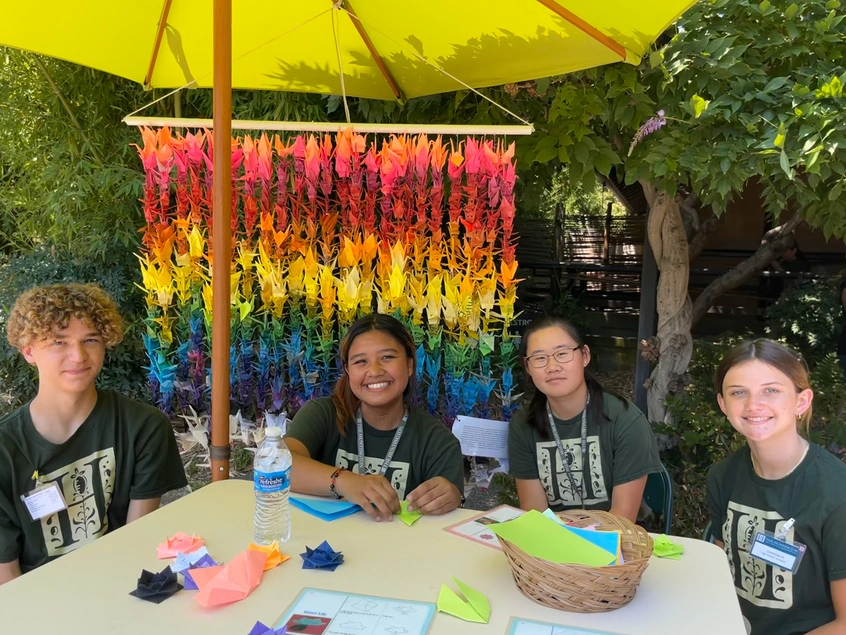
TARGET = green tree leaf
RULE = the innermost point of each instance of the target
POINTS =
(784, 162)
(698, 105)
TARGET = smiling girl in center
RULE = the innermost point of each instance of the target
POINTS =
(407, 453)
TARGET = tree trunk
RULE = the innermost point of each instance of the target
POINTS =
(667, 237)
(775, 242)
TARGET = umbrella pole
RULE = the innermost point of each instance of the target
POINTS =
(222, 239)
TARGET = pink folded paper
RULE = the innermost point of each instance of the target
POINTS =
(180, 542)
(232, 582)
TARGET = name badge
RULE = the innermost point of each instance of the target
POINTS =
(779, 553)
(44, 501)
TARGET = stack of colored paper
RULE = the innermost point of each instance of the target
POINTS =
(541, 537)
(323, 509)
(608, 540)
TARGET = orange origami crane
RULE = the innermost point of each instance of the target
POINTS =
(274, 556)
(232, 582)
(180, 542)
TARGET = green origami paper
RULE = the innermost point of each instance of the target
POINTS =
(487, 343)
(543, 538)
(663, 547)
(473, 608)
(409, 518)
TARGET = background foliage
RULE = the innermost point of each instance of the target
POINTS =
(123, 369)
(809, 317)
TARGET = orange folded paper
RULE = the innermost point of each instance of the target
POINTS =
(274, 556)
(180, 542)
(232, 582)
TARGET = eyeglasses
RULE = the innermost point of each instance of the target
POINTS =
(562, 356)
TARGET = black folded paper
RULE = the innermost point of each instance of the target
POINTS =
(156, 587)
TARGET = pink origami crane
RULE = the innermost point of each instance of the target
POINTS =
(232, 582)
(180, 542)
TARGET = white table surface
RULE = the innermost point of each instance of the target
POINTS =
(87, 592)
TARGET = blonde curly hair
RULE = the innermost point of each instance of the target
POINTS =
(38, 313)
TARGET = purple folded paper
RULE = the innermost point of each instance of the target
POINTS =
(261, 629)
(324, 557)
(203, 563)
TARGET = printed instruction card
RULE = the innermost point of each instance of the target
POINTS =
(478, 528)
(318, 612)
(520, 626)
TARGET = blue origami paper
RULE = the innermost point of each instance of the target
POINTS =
(261, 629)
(327, 510)
(324, 557)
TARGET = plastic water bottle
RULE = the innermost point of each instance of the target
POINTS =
(272, 482)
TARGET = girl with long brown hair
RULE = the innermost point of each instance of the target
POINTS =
(778, 496)
(369, 420)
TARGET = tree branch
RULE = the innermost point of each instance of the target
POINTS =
(69, 110)
(775, 241)
(706, 230)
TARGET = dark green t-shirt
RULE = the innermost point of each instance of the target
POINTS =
(775, 601)
(123, 451)
(619, 451)
(426, 449)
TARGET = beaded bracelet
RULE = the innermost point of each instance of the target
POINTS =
(335, 475)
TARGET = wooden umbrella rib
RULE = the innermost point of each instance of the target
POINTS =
(148, 78)
(585, 27)
(373, 52)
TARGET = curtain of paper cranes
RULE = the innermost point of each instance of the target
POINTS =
(325, 230)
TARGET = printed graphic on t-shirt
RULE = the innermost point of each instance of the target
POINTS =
(397, 473)
(554, 478)
(758, 582)
(88, 486)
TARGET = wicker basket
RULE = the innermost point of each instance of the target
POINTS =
(580, 588)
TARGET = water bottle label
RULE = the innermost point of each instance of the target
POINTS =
(272, 482)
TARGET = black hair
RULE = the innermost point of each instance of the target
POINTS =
(536, 409)
(346, 403)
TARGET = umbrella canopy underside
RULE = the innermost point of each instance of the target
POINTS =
(292, 45)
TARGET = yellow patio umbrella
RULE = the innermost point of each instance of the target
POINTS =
(291, 45)
(383, 49)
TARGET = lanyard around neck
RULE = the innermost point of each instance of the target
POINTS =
(390, 455)
(577, 491)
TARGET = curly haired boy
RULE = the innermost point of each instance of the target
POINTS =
(76, 462)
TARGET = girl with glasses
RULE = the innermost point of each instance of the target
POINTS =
(777, 496)
(575, 445)
(369, 421)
